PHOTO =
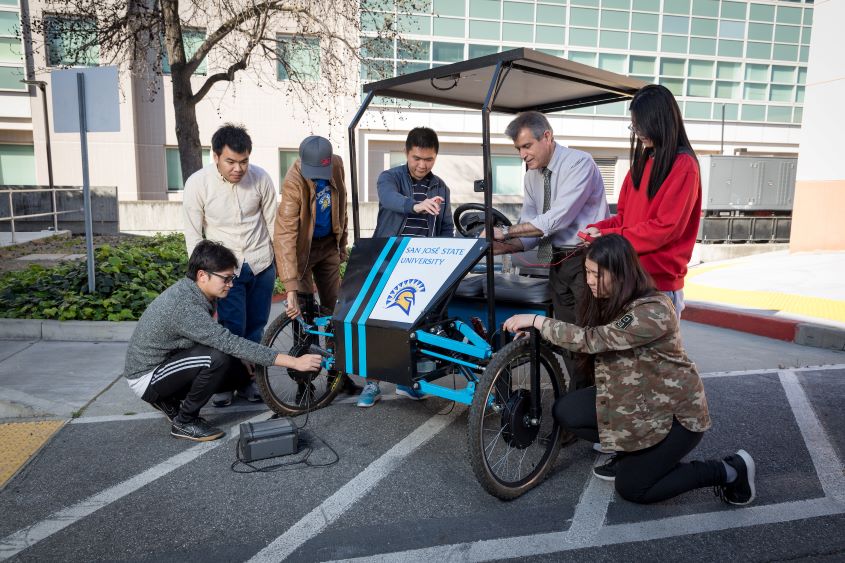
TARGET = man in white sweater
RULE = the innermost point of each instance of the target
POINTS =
(234, 202)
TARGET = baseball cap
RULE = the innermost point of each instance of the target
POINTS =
(315, 155)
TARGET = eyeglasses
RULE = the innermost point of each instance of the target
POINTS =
(230, 279)
(633, 129)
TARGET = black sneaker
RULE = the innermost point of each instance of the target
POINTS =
(168, 406)
(607, 472)
(742, 490)
(197, 430)
(348, 387)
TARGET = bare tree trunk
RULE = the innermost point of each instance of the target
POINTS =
(187, 130)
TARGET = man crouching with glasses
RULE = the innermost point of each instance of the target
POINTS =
(179, 356)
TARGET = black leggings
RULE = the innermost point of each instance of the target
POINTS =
(650, 475)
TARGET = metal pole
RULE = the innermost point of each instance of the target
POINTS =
(488, 197)
(353, 165)
(722, 146)
(86, 184)
(43, 87)
(12, 216)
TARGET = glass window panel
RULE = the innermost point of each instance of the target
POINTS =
(788, 14)
(641, 65)
(12, 3)
(779, 114)
(192, 39)
(781, 93)
(705, 8)
(783, 74)
(701, 69)
(733, 10)
(551, 14)
(582, 57)
(617, 4)
(647, 5)
(518, 11)
(485, 8)
(701, 46)
(760, 31)
(518, 32)
(71, 42)
(758, 50)
(548, 34)
(672, 67)
(9, 24)
(614, 20)
(675, 24)
(552, 52)
(413, 50)
(730, 71)
(583, 37)
(584, 17)
(804, 54)
(787, 33)
(802, 75)
(785, 52)
(799, 94)
(450, 7)
(728, 90)
(697, 110)
(677, 7)
(797, 115)
(383, 5)
(730, 48)
(731, 111)
(10, 78)
(408, 68)
(376, 48)
(613, 63)
(618, 108)
(582, 111)
(174, 166)
(758, 73)
(594, 3)
(482, 50)
(732, 29)
(644, 41)
(372, 22)
(17, 165)
(753, 112)
(449, 27)
(762, 12)
(808, 16)
(298, 58)
(447, 52)
(484, 30)
(414, 24)
(613, 40)
(701, 26)
(507, 175)
(700, 88)
(754, 91)
(376, 70)
(10, 50)
(675, 85)
(645, 22)
(674, 44)
(805, 36)
(286, 160)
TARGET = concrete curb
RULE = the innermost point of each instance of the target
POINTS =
(75, 331)
(788, 330)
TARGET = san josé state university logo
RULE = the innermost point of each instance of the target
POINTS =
(404, 295)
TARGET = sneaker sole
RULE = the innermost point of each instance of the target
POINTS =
(750, 472)
(368, 405)
(198, 438)
(597, 448)
(604, 477)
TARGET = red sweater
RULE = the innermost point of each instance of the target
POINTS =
(662, 230)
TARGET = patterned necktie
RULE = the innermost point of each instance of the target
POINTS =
(544, 249)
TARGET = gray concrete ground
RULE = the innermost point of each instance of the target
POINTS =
(113, 486)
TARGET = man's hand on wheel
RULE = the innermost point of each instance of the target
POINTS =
(292, 305)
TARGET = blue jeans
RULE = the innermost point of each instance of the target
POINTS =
(677, 298)
(247, 307)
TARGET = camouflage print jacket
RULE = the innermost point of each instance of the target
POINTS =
(643, 376)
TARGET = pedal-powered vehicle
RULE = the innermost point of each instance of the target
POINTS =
(411, 312)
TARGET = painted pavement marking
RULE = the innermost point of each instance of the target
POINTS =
(21, 440)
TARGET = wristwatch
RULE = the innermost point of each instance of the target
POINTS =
(505, 230)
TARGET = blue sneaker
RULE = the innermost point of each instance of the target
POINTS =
(370, 395)
(410, 393)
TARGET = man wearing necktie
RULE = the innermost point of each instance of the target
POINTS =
(563, 193)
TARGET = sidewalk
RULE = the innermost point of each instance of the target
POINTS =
(793, 297)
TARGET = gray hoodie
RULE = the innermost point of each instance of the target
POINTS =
(178, 319)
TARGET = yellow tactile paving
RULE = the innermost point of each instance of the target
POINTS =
(19, 441)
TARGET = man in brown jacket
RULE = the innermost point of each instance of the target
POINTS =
(310, 234)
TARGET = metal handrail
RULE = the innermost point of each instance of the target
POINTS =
(55, 212)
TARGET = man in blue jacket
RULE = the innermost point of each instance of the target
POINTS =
(412, 202)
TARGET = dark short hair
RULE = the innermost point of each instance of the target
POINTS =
(423, 138)
(210, 256)
(233, 136)
(534, 121)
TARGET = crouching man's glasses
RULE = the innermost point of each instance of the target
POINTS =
(226, 279)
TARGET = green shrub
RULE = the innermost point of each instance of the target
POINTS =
(128, 277)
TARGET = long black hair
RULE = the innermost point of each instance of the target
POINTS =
(655, 114)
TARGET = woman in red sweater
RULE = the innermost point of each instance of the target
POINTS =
(660, 202)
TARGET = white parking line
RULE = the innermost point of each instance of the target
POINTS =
(333, 507)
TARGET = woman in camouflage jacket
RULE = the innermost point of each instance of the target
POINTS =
(648, 403)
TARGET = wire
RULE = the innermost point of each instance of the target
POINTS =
(569, 254)
(287, 465)
(455, 77)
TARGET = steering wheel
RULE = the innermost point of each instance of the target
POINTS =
(469, 219)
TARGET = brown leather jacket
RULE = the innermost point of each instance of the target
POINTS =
(295, 223)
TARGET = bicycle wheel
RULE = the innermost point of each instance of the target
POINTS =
(508, 454)
(289, 392)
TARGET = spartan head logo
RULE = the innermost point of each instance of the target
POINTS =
(404, 295)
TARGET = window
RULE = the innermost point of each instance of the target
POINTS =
(191, 40)
(286, 160)
(11, 53)
(174, 167)
(17, 165)
(449, 27)
(298, 58)
(71, 41)
(507, 175)
(10, 78)
(482, 50)
(448, 52)
(449, 8)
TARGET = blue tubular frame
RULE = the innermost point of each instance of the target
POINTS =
(458, 395)
(482, 351)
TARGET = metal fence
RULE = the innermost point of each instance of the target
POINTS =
(14, 209)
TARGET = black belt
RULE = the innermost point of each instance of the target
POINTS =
(560, 249)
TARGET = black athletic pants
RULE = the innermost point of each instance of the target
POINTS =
(567, 284)
(192, 376)
(650, 475)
